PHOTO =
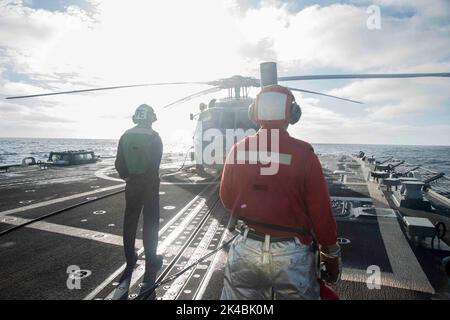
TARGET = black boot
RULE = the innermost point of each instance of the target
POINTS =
(133, 263)
(151, 270)
(145, 287)
(154, 263)
(128, 272)
(152, 267)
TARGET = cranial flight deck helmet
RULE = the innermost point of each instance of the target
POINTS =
(274, 107)
(144, 114)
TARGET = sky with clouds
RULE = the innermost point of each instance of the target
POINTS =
(54, 45)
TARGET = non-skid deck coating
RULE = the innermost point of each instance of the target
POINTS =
(34, 259)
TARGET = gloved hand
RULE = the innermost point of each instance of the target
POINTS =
(330, 258)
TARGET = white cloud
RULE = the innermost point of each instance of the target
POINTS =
(319, 125)
(388, 99)
(28, 36)
(146, 41)
(336, 36)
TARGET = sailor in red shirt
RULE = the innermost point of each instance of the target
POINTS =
(275, 185)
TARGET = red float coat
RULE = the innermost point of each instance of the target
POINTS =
(296, 196)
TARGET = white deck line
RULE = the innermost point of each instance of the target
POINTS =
(124, 286)
(165, 244)
(358, 275)
(101, 174)
(406, 270)
(212, 267)
(107, 238)
(169, 240)
(108, 280)
(404, 264)
(23, 181)
(199, 251)
(84, 194)
(59, 200)
(387, 279)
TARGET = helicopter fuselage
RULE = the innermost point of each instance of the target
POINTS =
(218, 127)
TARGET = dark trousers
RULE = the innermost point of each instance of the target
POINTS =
(141, 195)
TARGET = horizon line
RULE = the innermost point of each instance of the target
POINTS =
(325, 143)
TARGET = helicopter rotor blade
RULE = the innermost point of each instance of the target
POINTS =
(193, 96)
(364, 76)
(103, 88)
(324, 94)
(254, 82)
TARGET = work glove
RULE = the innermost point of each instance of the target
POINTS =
(331, 263)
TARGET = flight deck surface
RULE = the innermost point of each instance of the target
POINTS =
(35, 258)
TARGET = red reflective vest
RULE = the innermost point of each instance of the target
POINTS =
(296, 196)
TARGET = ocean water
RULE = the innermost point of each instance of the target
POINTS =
(13, 150)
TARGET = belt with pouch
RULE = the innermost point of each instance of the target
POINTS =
(254, 235)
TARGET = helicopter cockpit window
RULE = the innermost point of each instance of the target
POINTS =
(205, 115)
(227, 120)
(209, 119)
(212, 104)
(243, 121)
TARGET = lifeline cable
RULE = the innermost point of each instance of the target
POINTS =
(182, 250)
(182, 165)
(149, 291)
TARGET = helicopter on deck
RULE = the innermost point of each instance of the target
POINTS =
(220, 116)
(230, 114)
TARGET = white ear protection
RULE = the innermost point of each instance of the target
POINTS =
(275, 105)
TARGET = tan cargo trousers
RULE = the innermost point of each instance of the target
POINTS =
(264, 270)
